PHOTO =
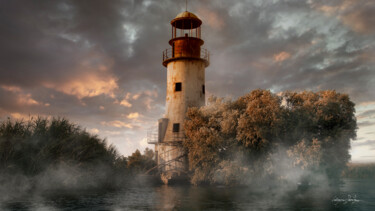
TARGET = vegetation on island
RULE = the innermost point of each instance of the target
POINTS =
(263, 137)
(259, 137)
(359, 171)
(57, 154)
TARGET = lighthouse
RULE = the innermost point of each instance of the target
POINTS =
(185, 63)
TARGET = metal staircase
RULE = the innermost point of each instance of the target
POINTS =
(172, 165)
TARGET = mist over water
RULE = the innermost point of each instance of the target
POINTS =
(350, 195)
(251, 161)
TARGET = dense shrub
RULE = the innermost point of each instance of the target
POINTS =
(360, 171)
(56, 153)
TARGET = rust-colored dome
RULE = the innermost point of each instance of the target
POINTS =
(186, 20)
(186, 14)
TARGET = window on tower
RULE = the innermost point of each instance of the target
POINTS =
(176, 127)
(178, 87)
(203, 89)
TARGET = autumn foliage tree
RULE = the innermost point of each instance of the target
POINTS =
(234, 141)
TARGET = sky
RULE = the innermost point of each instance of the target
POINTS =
(99, 63)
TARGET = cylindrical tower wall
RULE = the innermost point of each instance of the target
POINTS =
(187, 47)
(185, 89)
(190, 73)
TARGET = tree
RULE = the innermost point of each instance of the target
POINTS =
(138, 163)
(241, 136)
(45, 149)
(326, 116)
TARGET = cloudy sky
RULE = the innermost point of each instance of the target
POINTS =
(98, 62)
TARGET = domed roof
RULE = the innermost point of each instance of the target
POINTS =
(186, 20)
(186, 14)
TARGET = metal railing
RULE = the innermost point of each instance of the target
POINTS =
(171, 159)
(152, 136)
(170, 163)
(178, 137)
(168, 54)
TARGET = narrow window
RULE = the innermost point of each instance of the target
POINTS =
(176, 127)
(178, 87)
(203, 89)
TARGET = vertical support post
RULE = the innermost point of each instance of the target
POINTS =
(191, 28)
(173, 50)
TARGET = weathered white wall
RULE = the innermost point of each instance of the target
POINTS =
(191, 73)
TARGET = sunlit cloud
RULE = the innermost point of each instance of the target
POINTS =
(334, 9)
(125, 103)
(88, 85)
(17, 115)
(11, 88)
(211, 18)
(93, 77)
(94, 130)
(24, 99)
(117, 124)
(27, 100)
(281, 56)
(134, 115)
(147, 97)
(136, 96)
(359, 19)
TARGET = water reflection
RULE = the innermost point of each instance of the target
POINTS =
(204, 198)
(194, 198)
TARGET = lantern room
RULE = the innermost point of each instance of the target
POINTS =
(186, 24)
(186, 39)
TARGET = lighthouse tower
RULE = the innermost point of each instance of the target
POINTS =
(185, 61)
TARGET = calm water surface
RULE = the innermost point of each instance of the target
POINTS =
(352, 195)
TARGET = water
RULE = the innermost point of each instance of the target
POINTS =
(352, 195)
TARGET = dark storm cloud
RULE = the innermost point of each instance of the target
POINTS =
(97, 62)
(324, 54)
(32, 50)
